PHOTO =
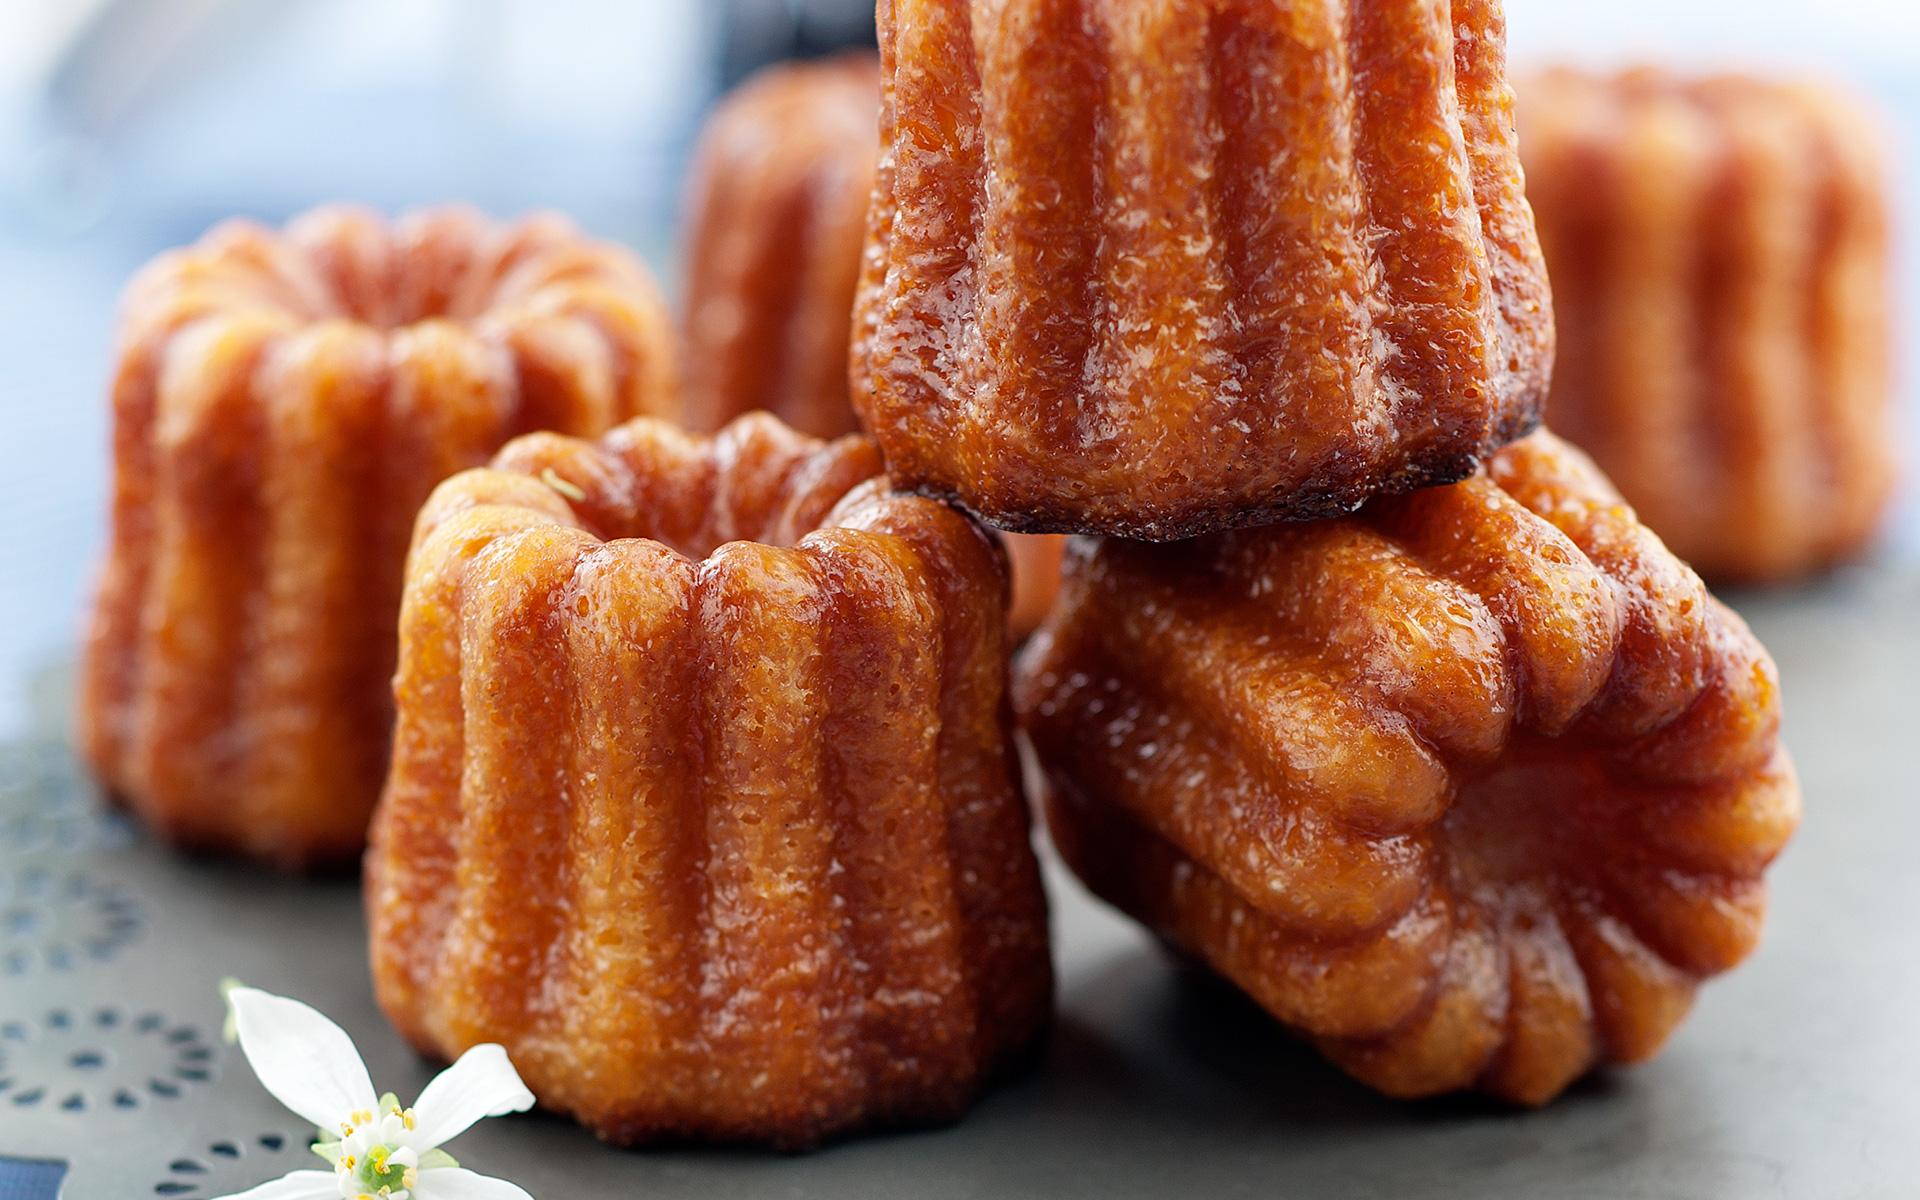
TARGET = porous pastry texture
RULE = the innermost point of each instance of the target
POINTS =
(283, 402)
(1472, 788)
(1720, 258)
(776, 216)
(703, 801)
(1161, 268)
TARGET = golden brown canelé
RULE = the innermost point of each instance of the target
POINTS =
(703, 801)
(776, 216)
(1161, 268)
(1720, 260)
(1471, 788)
(1035, 560)
(776, 220)
(283, 402)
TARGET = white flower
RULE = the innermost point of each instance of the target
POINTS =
(379, 1150)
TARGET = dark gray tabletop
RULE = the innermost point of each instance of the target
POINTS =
(1795, 1076)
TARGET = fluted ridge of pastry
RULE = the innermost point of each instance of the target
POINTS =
(1721, 253)
(701, 801)
(776, 219)
(1309, 753)
(1133, 242)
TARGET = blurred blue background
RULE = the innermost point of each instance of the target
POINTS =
(128, 126)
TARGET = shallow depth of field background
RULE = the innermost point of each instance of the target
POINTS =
(128, 126)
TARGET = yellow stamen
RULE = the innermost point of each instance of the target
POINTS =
(406, 1118)
(348, 1162)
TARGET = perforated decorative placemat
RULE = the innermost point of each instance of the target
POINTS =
(1793, 1078)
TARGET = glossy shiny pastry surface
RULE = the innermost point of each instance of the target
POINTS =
(1472, 788)
(702, 801)
(1158, 268)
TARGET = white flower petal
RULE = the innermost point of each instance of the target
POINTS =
(304, 1059)
(301, 1185)
(482, 1084)
(458, 1183)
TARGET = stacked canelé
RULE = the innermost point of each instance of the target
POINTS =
(1471, 786)
(702, 797)
(1159, 269)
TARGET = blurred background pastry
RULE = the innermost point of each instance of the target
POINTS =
(776, 214)
(1721, 271)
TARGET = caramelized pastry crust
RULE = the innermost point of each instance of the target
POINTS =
(1472, 788)
(776, 220)
(702, 799)
(1159, 268)
(283, 403)
(776, 216)
(1720, 259)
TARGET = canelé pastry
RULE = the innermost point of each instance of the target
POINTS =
(1720, 260)
(283, 402)
(702, 800)
(776, 216)
(776, 220)
(1160, 268)
(1035, 558)
(1471, 788)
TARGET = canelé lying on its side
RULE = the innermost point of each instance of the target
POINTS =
(1472, 788)
(283, 402)
(703, 801)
